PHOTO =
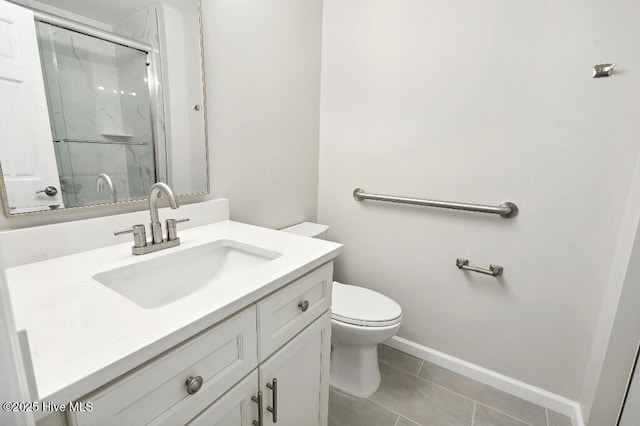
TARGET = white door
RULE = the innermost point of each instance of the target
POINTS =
(27, 155)
(301, 373)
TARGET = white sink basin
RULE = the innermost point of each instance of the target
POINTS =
(162, 280)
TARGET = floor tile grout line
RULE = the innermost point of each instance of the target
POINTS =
(471, 399)
(393, 411)
(436, 384)
(417, 375)
(399, 368)
(505, 414)
(473, 416)
(397, 420)
(465, 396)
(546, 412)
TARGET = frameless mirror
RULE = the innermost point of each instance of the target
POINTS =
(124, 91)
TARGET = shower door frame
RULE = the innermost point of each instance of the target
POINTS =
(153, 59)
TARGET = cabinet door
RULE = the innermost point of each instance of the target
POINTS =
(235, 408)
(300, 370)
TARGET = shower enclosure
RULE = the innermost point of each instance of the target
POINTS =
(101, 114)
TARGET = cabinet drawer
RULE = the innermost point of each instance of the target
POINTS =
(156, 393)
(284, 314)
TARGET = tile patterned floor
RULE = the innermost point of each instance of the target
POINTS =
(417, 393)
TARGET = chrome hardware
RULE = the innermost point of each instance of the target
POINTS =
(304, 305)
(139, 235)
(59, 21)
(603, 70)
(157, 242)
(274, 410)
(258, 400)
(494, 270)
(172, 231)
(51, 191)
(506, 210)
(156, 226)
(103, 179)
(194, 384)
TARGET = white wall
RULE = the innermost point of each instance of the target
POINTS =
(262, 68)
(482, 102)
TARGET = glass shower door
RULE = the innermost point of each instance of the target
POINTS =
(100, 113)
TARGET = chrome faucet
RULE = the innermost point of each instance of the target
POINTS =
(157, 241)
(103, 179)
(156, 226)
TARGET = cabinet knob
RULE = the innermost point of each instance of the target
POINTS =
(194, 384)
(304, 305)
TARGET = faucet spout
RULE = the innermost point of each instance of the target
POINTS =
(103, 179)
(156, 189)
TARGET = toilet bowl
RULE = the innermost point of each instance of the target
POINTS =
(361, 319)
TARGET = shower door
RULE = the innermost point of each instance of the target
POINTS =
(100, 113)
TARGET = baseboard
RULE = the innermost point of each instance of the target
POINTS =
(506, 384)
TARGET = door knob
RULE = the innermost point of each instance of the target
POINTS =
(51, 191)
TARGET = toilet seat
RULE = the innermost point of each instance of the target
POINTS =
(363, 307)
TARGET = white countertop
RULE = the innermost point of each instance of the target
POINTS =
(83, 334)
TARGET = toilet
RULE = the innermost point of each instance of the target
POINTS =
(360, 320)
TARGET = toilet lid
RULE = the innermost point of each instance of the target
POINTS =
(361, 306)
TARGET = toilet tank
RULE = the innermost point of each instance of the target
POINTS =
(307, 229)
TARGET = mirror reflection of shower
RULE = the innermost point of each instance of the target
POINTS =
(100, 112)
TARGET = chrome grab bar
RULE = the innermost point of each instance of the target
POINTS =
(506, 210)
(494, 270)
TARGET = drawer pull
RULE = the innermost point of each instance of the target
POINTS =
(194, 384)
(258, 400)
(304, 305)
(274, 410)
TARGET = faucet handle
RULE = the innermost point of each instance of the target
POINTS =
(123, 231)
(139, 235)
(172, 230)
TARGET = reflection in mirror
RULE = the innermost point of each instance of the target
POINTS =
(99, 109)
(124, 92)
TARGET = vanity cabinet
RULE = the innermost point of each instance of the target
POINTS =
(273, 354)
(293, 383)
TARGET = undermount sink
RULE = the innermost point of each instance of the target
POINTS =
(162, 280)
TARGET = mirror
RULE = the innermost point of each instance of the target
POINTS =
(124, 91)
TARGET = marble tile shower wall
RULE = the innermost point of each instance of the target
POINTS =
(82, 82)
